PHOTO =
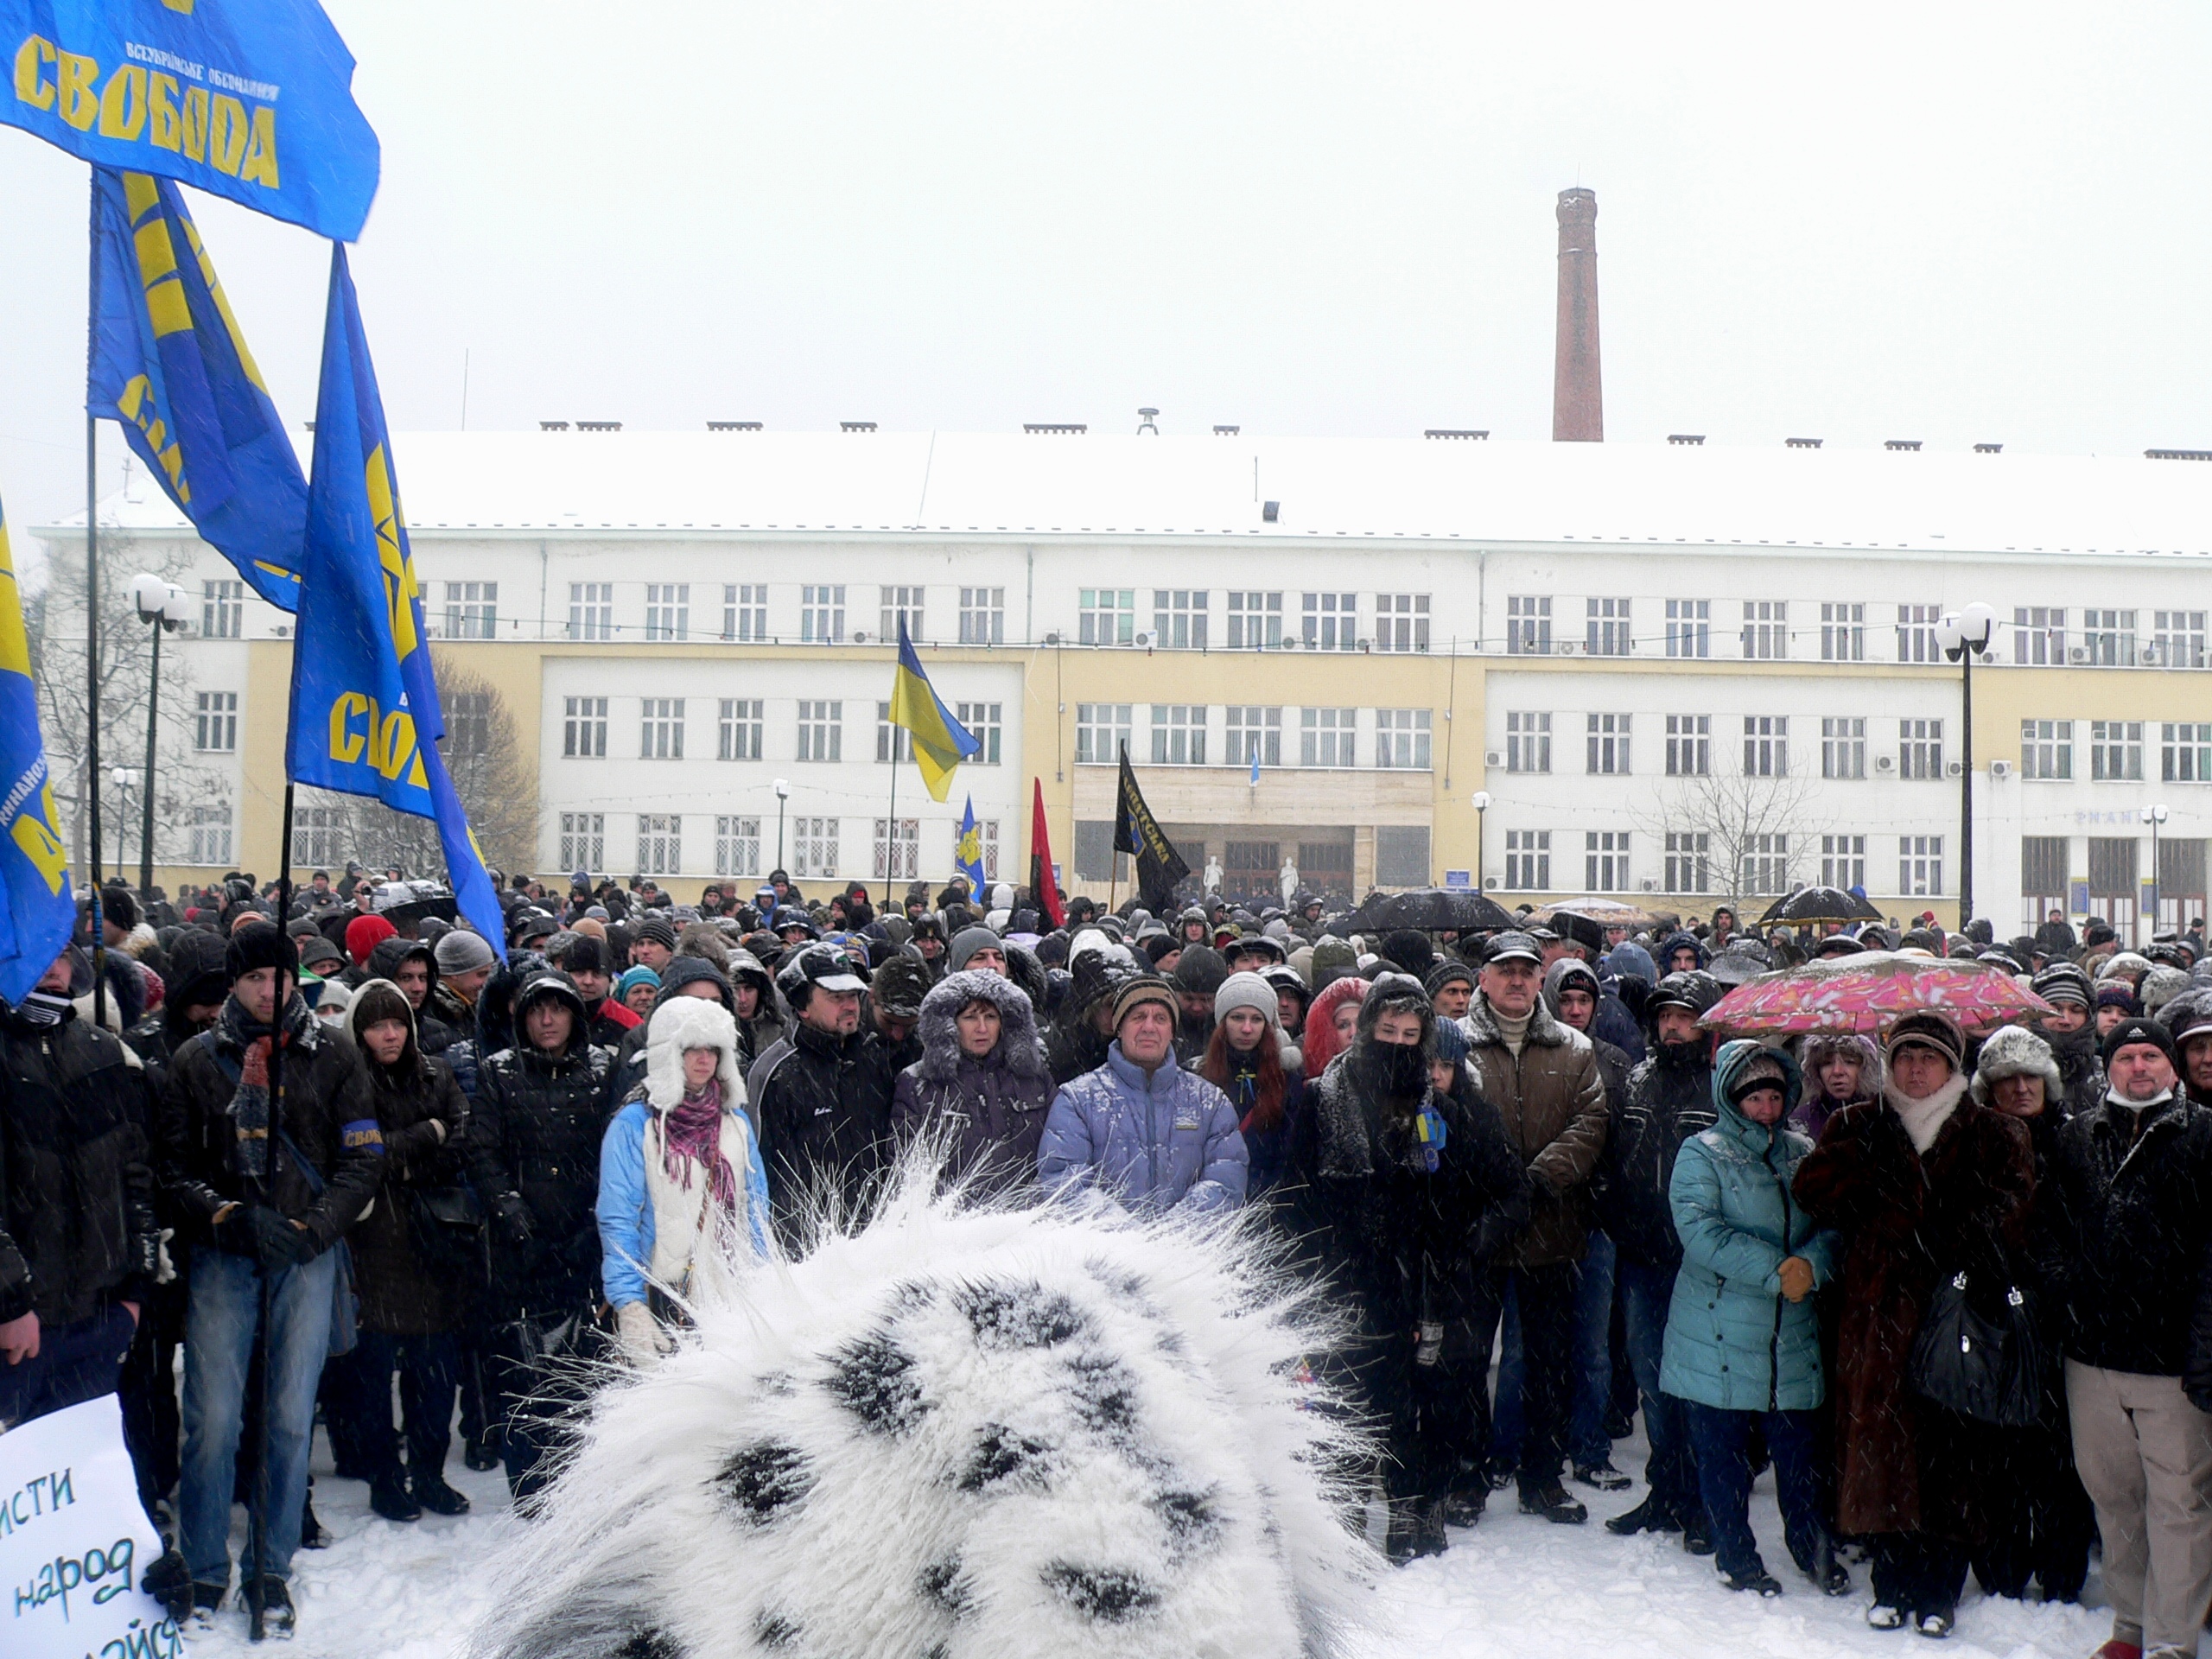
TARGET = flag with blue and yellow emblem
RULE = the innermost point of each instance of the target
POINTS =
(941, 743)
(968, 852)
(37, 911)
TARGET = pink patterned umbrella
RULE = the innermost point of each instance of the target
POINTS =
(1864, 992)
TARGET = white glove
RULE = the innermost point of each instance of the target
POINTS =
(640, 1333)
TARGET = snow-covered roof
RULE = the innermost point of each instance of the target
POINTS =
(1455, 490)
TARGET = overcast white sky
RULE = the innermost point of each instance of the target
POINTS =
(1947, 222)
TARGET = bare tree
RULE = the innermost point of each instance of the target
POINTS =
(1755, 834)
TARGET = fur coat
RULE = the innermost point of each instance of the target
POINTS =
(992, 1109)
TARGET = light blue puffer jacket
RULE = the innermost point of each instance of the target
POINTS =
(1733, 1340)
(1148, 1143)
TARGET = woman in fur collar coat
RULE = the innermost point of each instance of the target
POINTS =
(1922, 1184)
(681, 1186)
(982, 1081)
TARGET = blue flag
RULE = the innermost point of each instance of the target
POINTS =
(169, 362)
(364, 716)
(248, 99)
(968, 852)
(37, 912)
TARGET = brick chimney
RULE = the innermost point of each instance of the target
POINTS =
(1578, 395)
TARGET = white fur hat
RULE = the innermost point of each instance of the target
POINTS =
(2011, 1051)
(686, 1023)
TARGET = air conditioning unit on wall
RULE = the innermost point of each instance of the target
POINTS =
(1492, 757)
(1885, 763)
(1568, 647)
(2000, 769)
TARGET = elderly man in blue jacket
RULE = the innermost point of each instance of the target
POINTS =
(1139, 1130)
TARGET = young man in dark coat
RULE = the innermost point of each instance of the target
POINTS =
(823, 1105)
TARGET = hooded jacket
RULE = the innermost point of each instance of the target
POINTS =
(1614, 1062)
(432, 1034)
(199, 976)
(1733, 1340)
(1148, 1142)
(1552, 1101)
(1668, 1099)
(1813, 1112)
(423, 1117)
(992, 1109)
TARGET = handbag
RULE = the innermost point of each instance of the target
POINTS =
(446, 1226)
(1990, 1367)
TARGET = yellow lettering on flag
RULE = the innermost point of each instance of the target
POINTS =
(31, 87)
(34, 835)
(122, 102)
(160, 101)
(260, 164)
(195, 123)
(227, 135)
(80, 99)
(15, 645)
(399, 589)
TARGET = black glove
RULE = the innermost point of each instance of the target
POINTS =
(168, 1581)
(277, 1244)
(511, 1220)
(234, 1232)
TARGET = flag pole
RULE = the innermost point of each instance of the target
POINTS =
(891, 823)
(92, 609)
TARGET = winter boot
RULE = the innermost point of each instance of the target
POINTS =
(1499, 1473)
(432, 1493)
(1650, 1516)
(1697, 1535)
(1429, 1537)
(206, 1601)
(1603, 1476)
(1465, 1509)
(482, 1455)
(1402, 1542)
(1936, 1625)
(1551, 1501)
(1756, 1578)
(277, 1618)
(389, 1498)
(312, 1534)
(1886, 1616)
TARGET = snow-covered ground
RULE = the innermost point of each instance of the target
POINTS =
(1514, 1585)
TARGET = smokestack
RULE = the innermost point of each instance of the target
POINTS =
(1577, 396)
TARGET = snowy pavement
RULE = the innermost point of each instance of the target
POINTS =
(1513, 1586)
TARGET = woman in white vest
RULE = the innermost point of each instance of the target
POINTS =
(680, 1189)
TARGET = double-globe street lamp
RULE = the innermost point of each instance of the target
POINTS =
(162, 606)
(1962, 634)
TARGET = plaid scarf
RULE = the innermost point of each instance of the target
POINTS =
(250, 1042)
(692, 1137)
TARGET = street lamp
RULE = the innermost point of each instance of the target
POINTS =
(1481, 805)
(2154, 816)
(1961, 633)
(783, 794)
(122, 778)
(163, 605)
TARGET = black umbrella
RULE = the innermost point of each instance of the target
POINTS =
(1431, 910)
(1809, 905)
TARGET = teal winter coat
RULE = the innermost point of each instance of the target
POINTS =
(1733, 1340)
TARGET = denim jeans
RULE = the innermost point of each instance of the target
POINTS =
(1646, 1295)
(1724, 1475)
(1591, 1378)
(76, 1362)
(225, 1316)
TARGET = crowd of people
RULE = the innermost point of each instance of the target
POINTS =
(314, 1152)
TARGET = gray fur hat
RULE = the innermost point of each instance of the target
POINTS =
(2012, 1052)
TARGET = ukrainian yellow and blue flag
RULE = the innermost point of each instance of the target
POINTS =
(36, 910)
(941, 743)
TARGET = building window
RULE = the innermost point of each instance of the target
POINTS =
(222, 609)
(822, 731)
(739, 730)
(660, 844)
(1843, 861)
(1843, 634)
(591, 611)
(892, 742)
(2178, 640)
(1331, 622)
(583, 728)
(215, 722)
(468, 723)
(1766, 630)
(2040, 634)
(2116, 751)
(985, 724)
(472, 610)
(1401, 739)
(1178, 735)
(1920, 866)
(1843, 747)
(1109, 616)
(2047, 749)
(1689, 628)
(1254, 621)
(1255, 733)
(2044, 863)
(668, 610)
(1920, 748)
(821, 614)
(1101, 732)
(987, 832)
(1401, 855)
(318, 835)
(1528, 742)
(1604, 860)
(1766, 746)
(583, 840)
(1916, 634)
(1689, 751)
(745, 612)
(1766, 864)
(896, 604)
(211, 836)
(1401, 621)
(1528, 860)
(661, 736)
(1606, 628)
(983, 616)
(1689, 861)
(1608, 740)
(1528, 625)
(2185, 753)
(1178, 618)
(2108, 637)
(1324, 737)
(737, 846)
(897, 853)
(814, 845)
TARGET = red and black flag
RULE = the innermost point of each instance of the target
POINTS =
(1042, 881)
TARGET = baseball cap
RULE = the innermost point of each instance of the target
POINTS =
(1513, 946)
(818, 967)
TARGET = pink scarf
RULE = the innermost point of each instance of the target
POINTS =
(692, 1136)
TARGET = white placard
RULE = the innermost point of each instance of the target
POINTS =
(74, 1543)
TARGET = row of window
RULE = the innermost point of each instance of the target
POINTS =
(1401, 739)
(1769, 863)
(1256, 620)
(740, 727)
(2116, 750)
(813, 845)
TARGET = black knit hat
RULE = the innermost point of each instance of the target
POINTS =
(1200, 969)
(900, 985)
(2139, 1028)
(262, 944)
(1926, 1029)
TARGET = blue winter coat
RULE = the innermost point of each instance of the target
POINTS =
(1733, 1340)
(625, 1213)
(1148, 1143)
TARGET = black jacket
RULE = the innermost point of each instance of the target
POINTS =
(2081, 1071)
(77, 1223)
(823, 1108)
(2124, 1239)
(1662, 1107)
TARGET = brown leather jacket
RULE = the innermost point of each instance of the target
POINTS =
(1553, 1101)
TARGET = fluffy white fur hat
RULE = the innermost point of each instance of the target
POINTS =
(685, 1022)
